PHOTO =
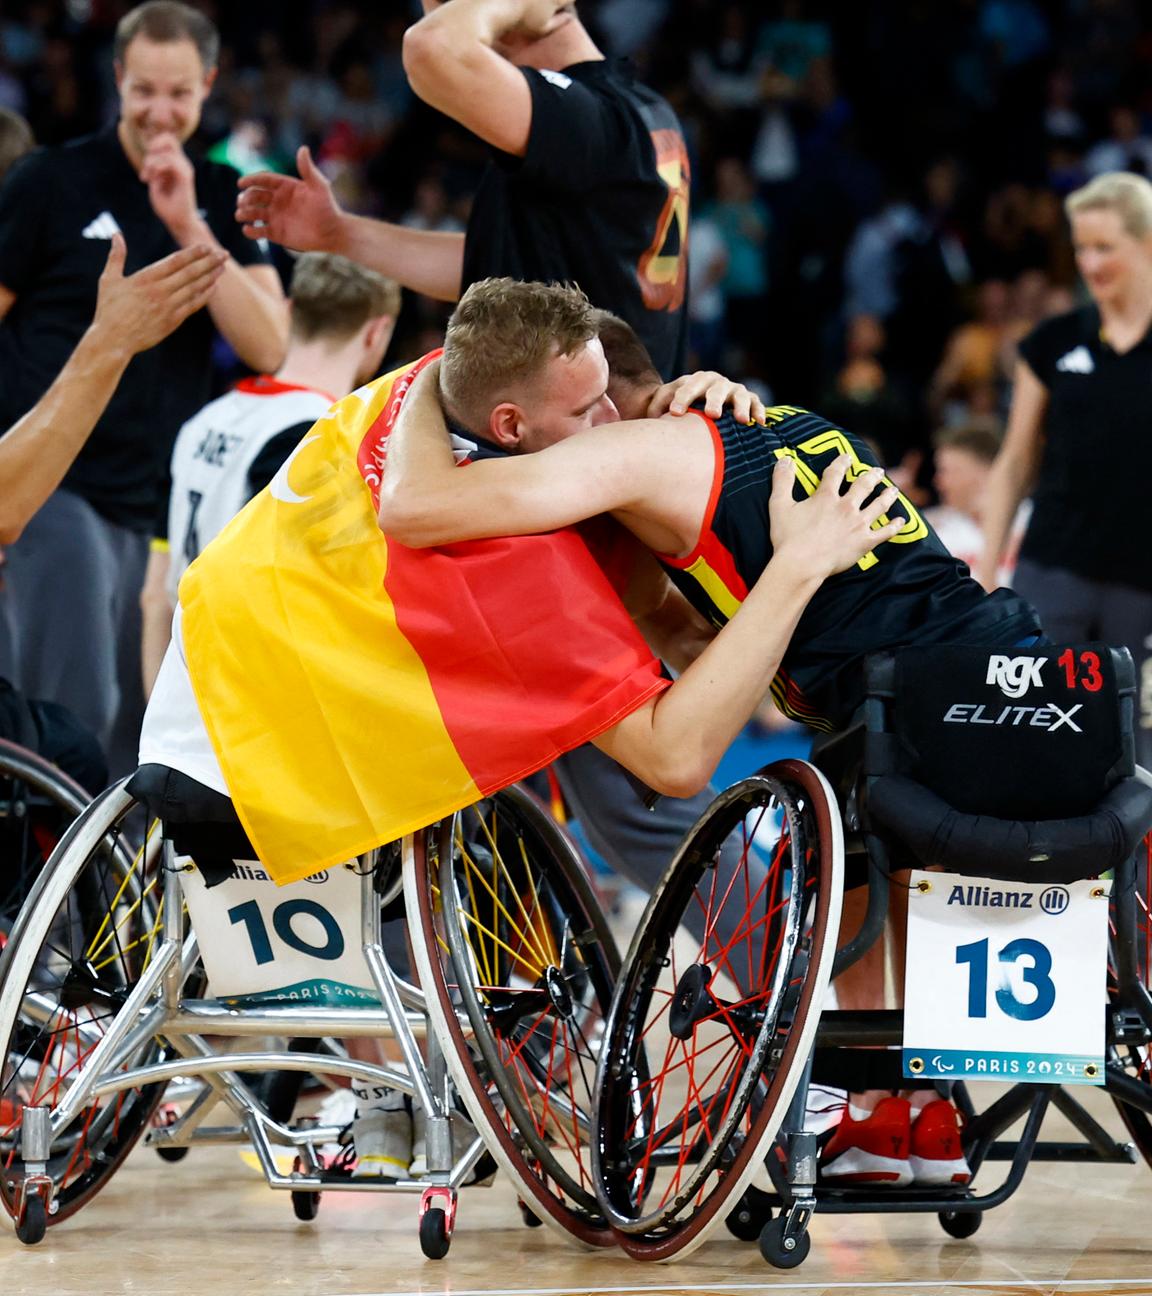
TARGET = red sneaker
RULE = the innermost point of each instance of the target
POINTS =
(873, 1150)
(937, 1153)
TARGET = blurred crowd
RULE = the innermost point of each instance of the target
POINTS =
(876, 188)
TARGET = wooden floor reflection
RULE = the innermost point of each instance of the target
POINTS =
(209, 1226)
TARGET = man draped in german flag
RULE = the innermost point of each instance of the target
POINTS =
(344, 689)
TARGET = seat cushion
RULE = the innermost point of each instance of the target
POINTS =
(198, 820)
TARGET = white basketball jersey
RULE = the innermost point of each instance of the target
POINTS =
(214, 454)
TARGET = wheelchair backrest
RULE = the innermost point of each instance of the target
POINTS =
(1017, 733)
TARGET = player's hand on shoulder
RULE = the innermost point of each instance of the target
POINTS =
(715, 391)
(137, 311)
(301, 214)
(829, 531)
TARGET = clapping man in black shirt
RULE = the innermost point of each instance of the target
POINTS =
(74, 577)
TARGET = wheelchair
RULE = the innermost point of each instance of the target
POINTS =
(711, 1041)
(106, 999)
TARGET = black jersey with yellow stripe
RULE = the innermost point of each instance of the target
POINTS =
(908, 591)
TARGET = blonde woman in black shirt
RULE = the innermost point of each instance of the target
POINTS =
(1079, 440)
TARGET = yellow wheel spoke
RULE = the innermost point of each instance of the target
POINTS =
(529, 926)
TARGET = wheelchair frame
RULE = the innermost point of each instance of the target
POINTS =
(157, 1006)
(784, 1241)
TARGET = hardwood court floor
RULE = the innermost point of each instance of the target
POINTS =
(209, 1226)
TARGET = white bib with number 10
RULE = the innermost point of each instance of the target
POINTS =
(262, 943)
(1005, 980)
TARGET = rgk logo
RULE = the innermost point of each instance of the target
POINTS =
(1014, 676)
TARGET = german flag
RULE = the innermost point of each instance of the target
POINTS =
(356, 690)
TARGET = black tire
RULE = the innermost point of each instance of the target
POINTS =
(732, 1015)
(512, 943)
(960, 1224)
(32, 1227)
(1135, 1060)
(80, 944)
(306, 1205)
(747, 1219)
(773, 1249)
(530, 1218)
(434, 1236)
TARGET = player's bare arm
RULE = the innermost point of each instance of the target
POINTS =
(132, 314)
(248, 305)
(454, 62)
(652, 474)
(1015, 469)
(303, 214)
(675, 743)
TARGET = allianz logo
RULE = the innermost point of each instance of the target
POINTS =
(989, 898)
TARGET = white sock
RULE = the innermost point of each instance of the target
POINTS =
(376, 1098)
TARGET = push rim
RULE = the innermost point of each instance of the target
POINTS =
(518, 966)
(725, 1016)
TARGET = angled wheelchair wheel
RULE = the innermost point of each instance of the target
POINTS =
(518, 965)
(78, 947)
(37, 803)
(1134, 1060)
(716, 1009)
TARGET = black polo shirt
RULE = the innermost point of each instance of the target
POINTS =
(58, 209)
(1090, 512)
(600, 199)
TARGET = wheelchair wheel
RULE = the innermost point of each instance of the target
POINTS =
(517, 964)
(716, 1009)
(1135, 1060)
(37, 803)
(78, 947)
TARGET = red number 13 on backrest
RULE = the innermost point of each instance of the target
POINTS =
(1089, 664)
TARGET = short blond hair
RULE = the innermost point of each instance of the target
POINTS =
(1128, 195)
(334, 298)
(501, 335)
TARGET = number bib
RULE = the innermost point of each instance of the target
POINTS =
(1005, 980)
(262, 943)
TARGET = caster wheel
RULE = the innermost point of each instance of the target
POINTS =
(172, 1154)
(960, 1224)
(772, 1246)
(750, 1215)
(530, 1220)
(306, 1205)
(434, 1236)
(31, 1228)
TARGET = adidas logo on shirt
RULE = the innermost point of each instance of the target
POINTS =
(1078, 360)
(103, 227)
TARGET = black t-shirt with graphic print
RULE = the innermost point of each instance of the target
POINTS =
(600, 199)
(1090, 512)
(58, 210)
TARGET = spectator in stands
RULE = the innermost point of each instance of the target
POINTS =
(74, 579)
(964, 456)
